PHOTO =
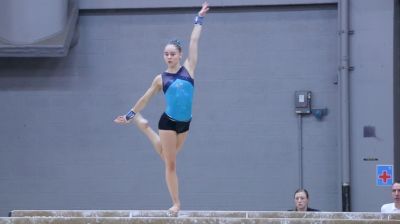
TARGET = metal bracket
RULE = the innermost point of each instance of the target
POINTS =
(349, 68)
(349, 32)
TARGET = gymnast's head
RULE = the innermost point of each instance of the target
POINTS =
(173, 53)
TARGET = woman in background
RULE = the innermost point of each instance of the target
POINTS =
(301, 200)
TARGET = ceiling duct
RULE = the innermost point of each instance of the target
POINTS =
(40, 28)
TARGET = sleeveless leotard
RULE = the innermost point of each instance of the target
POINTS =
(178, 90)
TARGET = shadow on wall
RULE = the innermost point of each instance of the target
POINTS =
(36, 74)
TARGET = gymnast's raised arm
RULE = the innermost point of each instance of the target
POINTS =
(191, 61)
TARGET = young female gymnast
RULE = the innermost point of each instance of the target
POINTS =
(177, 83)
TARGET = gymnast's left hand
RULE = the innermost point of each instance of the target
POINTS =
(204, 9)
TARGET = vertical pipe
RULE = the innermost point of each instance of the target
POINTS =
(344, 102)
(300, 146)
(396, 160)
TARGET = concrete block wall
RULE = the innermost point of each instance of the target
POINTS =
(61, 150)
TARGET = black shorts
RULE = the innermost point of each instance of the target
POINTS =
(167, 123)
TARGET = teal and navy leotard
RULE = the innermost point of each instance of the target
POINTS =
(178, 90)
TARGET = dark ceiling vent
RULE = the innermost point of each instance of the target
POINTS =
(40, 30)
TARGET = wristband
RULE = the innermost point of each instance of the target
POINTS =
(198, 20)
(130, 115)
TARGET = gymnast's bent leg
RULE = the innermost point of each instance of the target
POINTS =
(154, 138)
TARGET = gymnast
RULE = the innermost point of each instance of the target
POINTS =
(177, 83)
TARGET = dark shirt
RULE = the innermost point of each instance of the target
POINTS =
(308, 210)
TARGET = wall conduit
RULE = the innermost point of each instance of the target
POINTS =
(344, 104)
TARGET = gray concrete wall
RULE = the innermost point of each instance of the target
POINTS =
(61, 150)
(26, 22)
(70, 155)
(371, 98)
(124, 4)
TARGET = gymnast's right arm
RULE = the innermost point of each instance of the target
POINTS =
(142, 102)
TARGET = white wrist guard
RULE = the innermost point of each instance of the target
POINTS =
(198, 20)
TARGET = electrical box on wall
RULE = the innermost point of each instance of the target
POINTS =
(303, 102)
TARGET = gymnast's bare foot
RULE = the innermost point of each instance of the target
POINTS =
(174, 210)
(140, 122)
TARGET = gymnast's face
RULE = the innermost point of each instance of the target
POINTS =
(172, 55)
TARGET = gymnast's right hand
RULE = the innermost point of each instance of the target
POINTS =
(121, 120)
(124, 119)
